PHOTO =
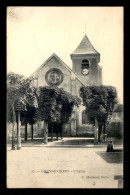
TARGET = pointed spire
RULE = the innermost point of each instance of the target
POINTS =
(85, 46)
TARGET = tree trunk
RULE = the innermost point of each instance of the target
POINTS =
(46, 126)
(52, 133)
(26, 134)
(57, 135)
(99, 132)
(17, 126)
(104, 129)
(96, 132)
(13, 130)
(45, 137)
(19, 135)
(61, 130)
(31, 131)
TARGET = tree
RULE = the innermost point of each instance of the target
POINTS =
(55, 106)
(30, 98)
(19, 91)
(99, 102)
(13, 82)
(29, 116)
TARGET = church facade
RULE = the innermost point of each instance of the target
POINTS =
(85, 72)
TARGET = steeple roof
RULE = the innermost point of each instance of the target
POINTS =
(85, 47)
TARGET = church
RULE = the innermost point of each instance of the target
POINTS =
(85, 71)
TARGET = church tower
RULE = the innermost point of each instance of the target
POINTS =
(85, 61)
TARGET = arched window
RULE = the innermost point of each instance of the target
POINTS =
(85, 64)
(85, 67)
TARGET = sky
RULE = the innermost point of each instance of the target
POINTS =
(35, 33)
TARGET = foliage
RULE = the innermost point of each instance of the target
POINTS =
(20, 89)
(29, 115)
(99, 102)
(55, 105)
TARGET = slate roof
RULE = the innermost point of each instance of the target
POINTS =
(85, 47)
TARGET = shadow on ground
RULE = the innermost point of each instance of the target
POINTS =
(65, 142)
(32, 141)
(58, 142)
(76, 142)
(112, 157)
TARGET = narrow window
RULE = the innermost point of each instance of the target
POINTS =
(85, 63)
(85, 67)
